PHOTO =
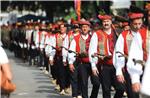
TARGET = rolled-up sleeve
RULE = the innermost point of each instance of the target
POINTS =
(92, 50)
(52, 51)
(71, 56)
(119, 62)
(64, 51)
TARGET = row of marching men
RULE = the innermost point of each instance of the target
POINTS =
(103, 55)
(100, 55)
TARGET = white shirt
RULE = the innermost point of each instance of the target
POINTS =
(28, 35)
(47, 44)
(3, 57)
(136, 52)
(66, 43)
(42, 40)
(92, 50)
(119, 62)
(37, 41)
(53, 43)
(145, 88)
(50, 50)
(35, 35)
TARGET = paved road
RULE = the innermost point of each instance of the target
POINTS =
(32, 82)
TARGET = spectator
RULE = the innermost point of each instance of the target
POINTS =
(4, 63)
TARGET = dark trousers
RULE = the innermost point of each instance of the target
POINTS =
(95, 80)
(74, 79)
(108, 75)
(24, 54)
(61, 72)
(32, 55)
(53, 71)
(128, 85)
(84, 73)
(41, 55)
(46, 61)
(67, 77)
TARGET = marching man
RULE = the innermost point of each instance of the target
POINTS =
(100, 53)
(121, 51)
(138, 55)
(75, 31)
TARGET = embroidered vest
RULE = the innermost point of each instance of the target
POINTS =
(128, 37)
(103, 39)
(59, 40)
(82, 47)
(39, 37)
(145, 41)
(102, 43)
(59, 43)
(70, 37)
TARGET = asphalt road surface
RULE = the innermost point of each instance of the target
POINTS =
(31, 82)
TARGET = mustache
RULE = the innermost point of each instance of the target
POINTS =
(106, 24)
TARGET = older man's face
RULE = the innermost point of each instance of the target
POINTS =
(107, 24)
(85, 29)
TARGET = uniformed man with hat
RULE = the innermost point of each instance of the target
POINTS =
(122, 48)
(73, 77)
(79, 57)
(100, 53)
(139, 52)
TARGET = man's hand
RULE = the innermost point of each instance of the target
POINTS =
(71, 67)
(120, 78)
(51, 62)
(136, 87)
(95, 72)
(65, 63)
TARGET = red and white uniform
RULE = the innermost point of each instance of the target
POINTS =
(79, 44)
(57, 42)
(102, 43)
(49, 40)
(66, 43)
(139, 51)
(40, 39)
(122, 45)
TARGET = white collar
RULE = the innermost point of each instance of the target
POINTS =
(63, 35)
(134, 33)
(75, 34)
(108, 32)
(85, 36)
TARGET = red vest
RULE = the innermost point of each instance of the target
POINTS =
(70, 36)
(82, 46)
(144, 34)
(59, 43)
(103, 39)
(127, 36)
(39, 33)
